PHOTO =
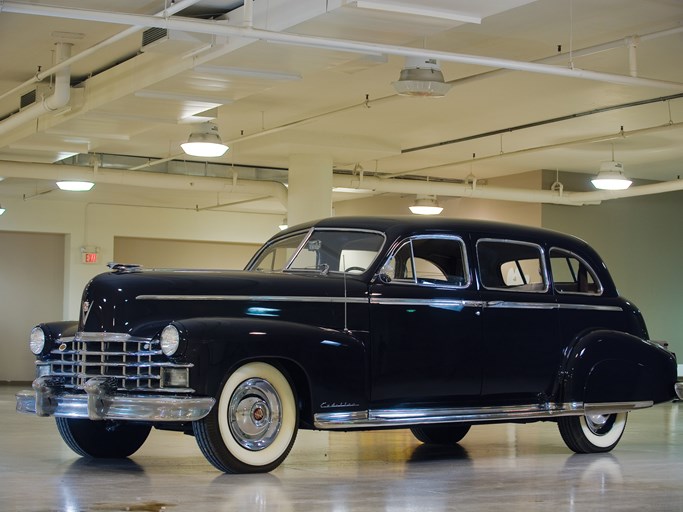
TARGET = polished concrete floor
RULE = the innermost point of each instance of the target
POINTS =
(496, 468)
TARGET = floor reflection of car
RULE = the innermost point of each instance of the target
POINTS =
(352, 323)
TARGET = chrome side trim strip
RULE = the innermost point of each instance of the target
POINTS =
(591, 307)
(407, 417)
(521, 305)
(258, 298)
(426, 302)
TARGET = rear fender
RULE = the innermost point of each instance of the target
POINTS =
(610, 366)
(327, 366)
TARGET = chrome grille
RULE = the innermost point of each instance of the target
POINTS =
(135, 363)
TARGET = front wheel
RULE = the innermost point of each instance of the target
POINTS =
(102, 439)
(592, 433)
(254, 424)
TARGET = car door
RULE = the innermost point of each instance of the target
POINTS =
(425, 324)
(519, 322)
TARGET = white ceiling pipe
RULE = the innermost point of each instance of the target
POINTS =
(41, 75)
(53, 173)
(277, 190)
(403, 186)
(57, 100)
(221, 29)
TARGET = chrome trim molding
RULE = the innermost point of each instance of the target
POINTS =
(100, 402)
(591, 307)
(258, 298)
(426, 302)
(407, 417)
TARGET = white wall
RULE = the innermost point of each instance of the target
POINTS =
(98, 224)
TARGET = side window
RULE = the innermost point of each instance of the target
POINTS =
(509, 265)
(430, 261)
(571, 274)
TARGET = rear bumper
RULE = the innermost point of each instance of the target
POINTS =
(102, 402)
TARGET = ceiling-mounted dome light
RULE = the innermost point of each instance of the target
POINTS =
(205, 141)
(611, 177)
(75, 186)
(2, 210)
(421, 77)
(425, 205)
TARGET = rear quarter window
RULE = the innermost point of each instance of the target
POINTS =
(511, 265)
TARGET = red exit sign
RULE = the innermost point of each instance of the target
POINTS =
(90, 254)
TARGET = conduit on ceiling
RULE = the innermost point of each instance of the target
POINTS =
(370, 183)
(174, 8)
(219, 29)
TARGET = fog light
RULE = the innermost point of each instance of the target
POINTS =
(175, 377)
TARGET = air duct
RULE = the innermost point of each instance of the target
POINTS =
(59, 98)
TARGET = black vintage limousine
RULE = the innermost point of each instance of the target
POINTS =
(352, 323)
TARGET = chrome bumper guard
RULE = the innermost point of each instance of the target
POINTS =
(679, 389)
(101, 402)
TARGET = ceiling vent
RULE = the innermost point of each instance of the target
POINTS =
(172, 42)
(34, 96)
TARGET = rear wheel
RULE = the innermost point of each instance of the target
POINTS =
(443, 434)
(593, 433)
(254, 424)
(102, 439)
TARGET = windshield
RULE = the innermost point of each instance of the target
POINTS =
(321, 250)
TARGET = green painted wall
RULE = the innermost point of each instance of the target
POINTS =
(641, 241)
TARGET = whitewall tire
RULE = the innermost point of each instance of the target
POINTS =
(254, 423)
(592, 433)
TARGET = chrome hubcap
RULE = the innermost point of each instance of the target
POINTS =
(254, 414)
(596, 423)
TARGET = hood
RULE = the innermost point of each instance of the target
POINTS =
(142, 302)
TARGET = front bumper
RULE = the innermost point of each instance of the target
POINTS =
(102, 402)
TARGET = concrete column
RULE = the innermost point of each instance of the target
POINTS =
(310, 188)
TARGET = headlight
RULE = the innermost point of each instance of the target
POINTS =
(170, 339)
(37, 340)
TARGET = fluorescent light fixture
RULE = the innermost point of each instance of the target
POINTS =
(211, 102)
(346, 190)
(611, 177)
(205, 142)
(421, 77)
(75, 186)
(426, 205)
(247, 73)
(442, 14)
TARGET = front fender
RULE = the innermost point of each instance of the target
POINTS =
(329, 364)
(610, 366)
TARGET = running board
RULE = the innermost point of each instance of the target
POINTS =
(407, 417)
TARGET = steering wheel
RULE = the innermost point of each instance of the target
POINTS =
(351, 269)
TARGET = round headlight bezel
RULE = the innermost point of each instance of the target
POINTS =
(169, 340)
(37, 340)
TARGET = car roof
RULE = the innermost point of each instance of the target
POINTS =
(408, 224)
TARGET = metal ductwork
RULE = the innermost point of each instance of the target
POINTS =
(59, 98)
(278, 190)
(143, 179)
